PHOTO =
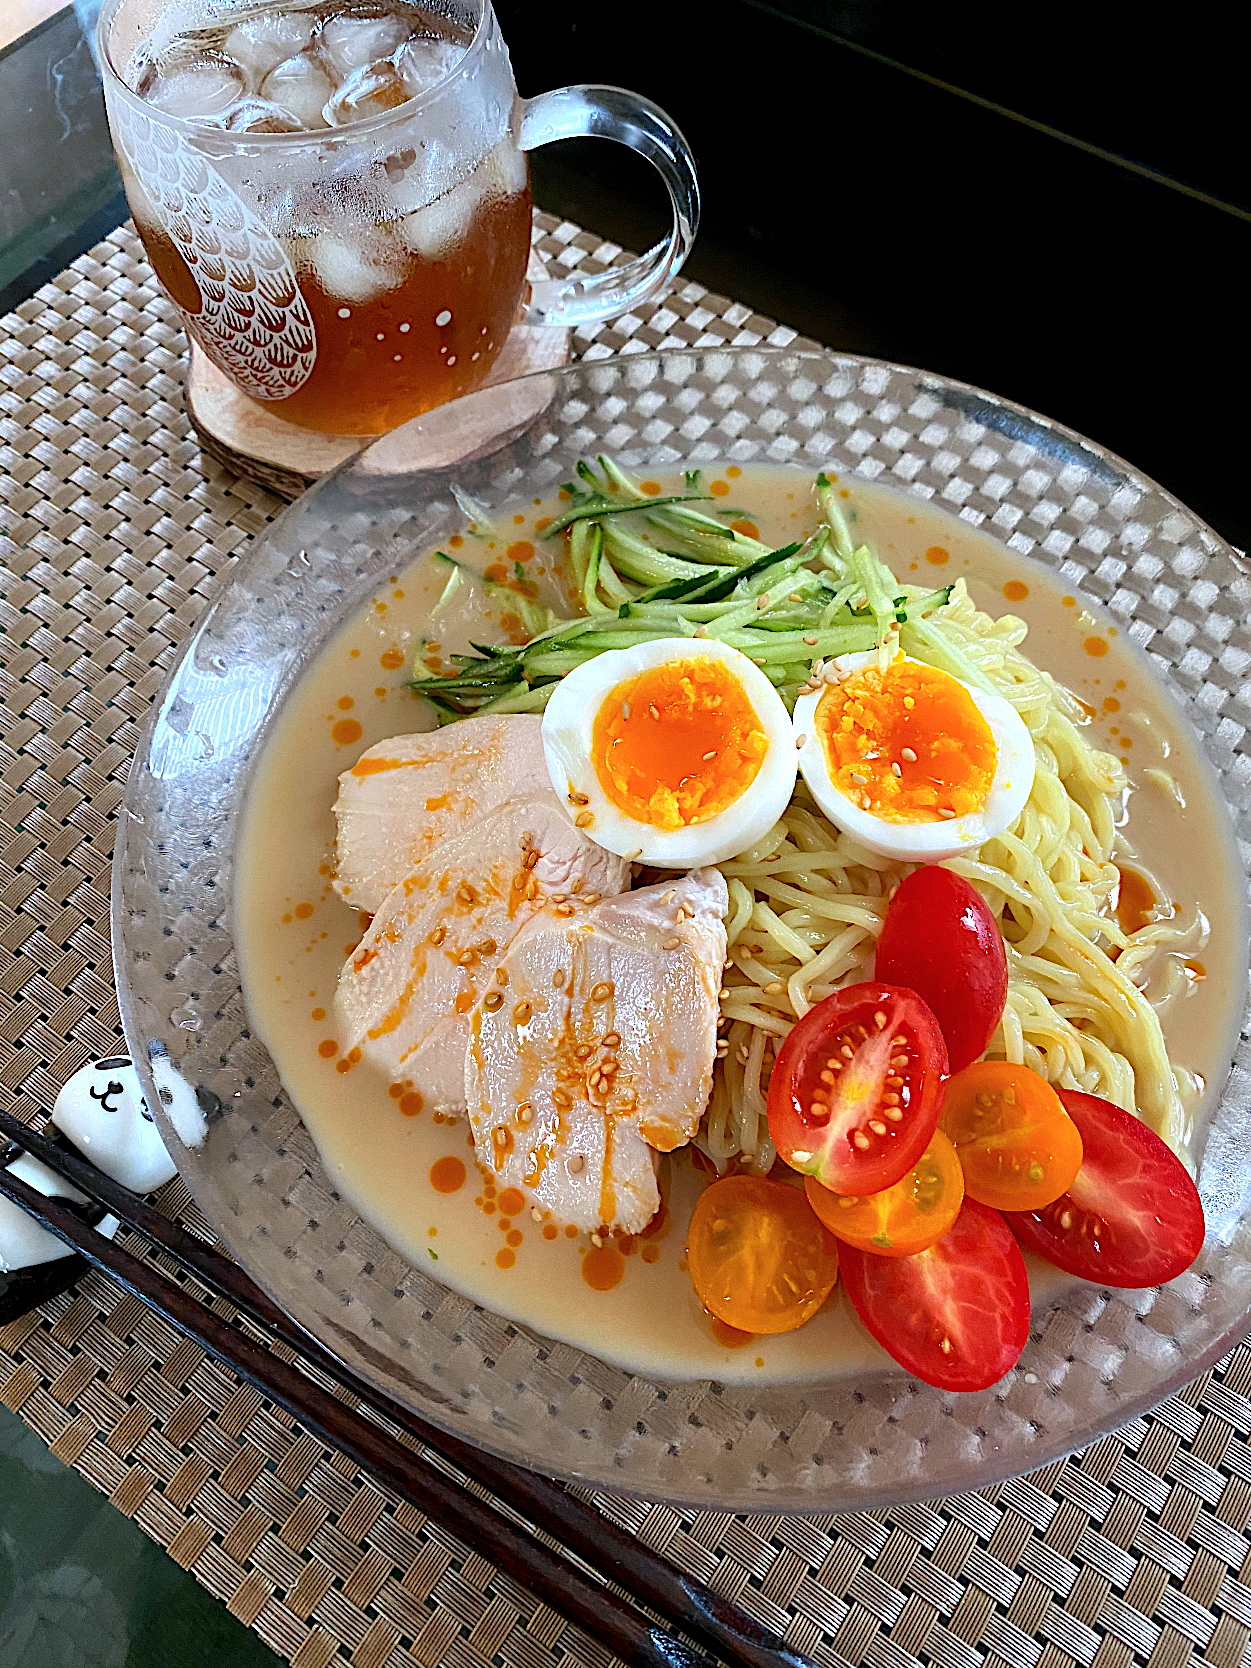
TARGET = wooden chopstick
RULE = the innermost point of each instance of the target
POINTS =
(617, 1555)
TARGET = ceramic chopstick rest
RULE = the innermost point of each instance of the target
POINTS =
(34, 1264)
(102, 1111)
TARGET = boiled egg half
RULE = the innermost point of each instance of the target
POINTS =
(675, 753)
(910, 761)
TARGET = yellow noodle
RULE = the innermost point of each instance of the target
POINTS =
(807, 904)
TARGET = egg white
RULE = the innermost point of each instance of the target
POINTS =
(923, 842)
(568, 725)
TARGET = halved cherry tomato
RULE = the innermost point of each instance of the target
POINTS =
(854, 1095)
(1018, 1147)
(940, 940)
(906, 1218)
(956, 1315)
(758, 1256)
(1132, 1217)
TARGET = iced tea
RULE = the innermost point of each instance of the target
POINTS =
(404, 265)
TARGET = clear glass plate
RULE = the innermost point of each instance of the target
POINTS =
(1095, 1358)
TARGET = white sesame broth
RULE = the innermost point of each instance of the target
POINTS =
(412, 1173)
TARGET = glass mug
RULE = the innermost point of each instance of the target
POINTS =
(353, 276)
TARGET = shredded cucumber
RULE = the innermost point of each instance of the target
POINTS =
(647, 568)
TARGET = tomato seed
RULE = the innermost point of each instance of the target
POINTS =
(894, 1114)
(877, 1128)
(879, 1019)
(861, 1140)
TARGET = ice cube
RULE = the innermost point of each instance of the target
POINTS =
(350, 43)
(259, 44)
(302, 87)
(258, 115)
(435, 230)
(367, 92)
(357, 271)
(425, 60)
(203, 87)
(507, 167)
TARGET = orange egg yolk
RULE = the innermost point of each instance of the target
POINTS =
(906, 744)
(678, 743)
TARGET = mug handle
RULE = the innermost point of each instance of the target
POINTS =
(614, 113)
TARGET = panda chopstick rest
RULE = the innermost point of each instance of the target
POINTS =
(102, 1111)
(34, 1264)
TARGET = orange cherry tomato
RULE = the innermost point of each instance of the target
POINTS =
(759, 1258)
(1018, 1147)
(901, 1220)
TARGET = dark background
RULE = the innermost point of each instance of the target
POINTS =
(857, 187)
(1052, 203)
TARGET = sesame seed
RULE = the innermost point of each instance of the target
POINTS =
(895, 770)
(909, 702)
(597, 1240)
(654, 710)
(861, 779)
(575, 1164)
(492, 1001)
(522, 1013)
(800, 743)
(530, 859)
(584, 819)
(602, 991)
(536, 1215)
(830, 674)
(501, 975)
(775, 987)
(710, 754)
(631, 855)
(562, 1098)
(762, 601)
(579, 799)
(499, 1136)
(811, 642)
(945, 813)
(625, 711)
(591, 898)
(611, 1039)
(671, 943)
(907, 753)
(701, 631)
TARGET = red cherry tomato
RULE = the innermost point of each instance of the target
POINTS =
(1132, 1216)
(956, 1315)
(855, 1092)
(940, 940)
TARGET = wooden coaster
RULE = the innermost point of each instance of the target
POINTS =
(253, 440)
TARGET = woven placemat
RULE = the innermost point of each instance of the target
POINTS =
(114, 534)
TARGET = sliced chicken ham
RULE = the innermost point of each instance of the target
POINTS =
(404, 796)
(594, 1050)
(432, 950)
